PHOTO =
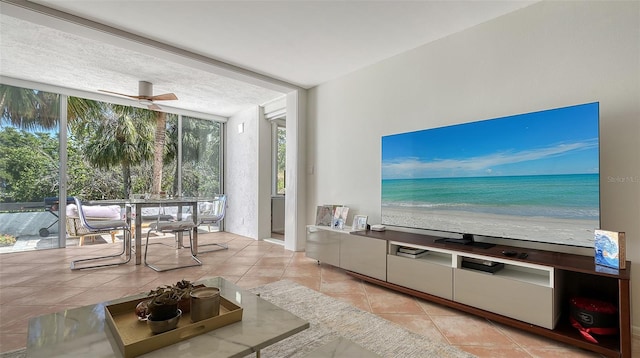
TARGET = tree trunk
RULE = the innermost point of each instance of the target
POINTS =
(158, 152)
(175, 180)
(126, 177)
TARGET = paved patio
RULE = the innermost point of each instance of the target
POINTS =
(25, 227)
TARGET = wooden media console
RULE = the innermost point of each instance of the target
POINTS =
(530, 293)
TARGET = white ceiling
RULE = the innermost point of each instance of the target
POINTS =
(218, 57)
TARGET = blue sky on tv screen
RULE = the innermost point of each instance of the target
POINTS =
(557, 141)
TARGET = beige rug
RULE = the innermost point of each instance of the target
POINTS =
(331, 319)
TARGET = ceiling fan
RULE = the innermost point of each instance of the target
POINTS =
(145, 95)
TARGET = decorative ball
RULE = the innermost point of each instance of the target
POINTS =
(142, 309)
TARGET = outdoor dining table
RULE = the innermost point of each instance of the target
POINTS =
(138, 204)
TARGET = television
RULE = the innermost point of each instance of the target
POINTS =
(532, 177)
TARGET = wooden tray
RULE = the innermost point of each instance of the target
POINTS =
(134, 337)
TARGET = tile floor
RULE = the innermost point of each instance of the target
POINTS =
(39, 282)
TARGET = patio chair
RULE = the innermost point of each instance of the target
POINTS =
(92, 213)
(210, 213)
(176, 228)
(150, 215)
(100, 226)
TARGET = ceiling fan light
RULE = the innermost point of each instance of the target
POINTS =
(145, 102)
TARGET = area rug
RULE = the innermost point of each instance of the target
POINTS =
(331, 319)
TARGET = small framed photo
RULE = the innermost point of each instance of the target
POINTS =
(340, 217)
(324, 214)
(360, 222)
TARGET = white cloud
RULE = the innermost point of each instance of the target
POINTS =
(414, 168)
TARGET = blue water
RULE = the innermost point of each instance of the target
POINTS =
(572, 196)
(603, 242)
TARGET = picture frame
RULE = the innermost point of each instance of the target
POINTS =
(340, 217)
(324, 215)
(359, 222)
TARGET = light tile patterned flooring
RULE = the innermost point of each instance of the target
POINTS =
(39, 282)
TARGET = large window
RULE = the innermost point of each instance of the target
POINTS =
(110, 150)
(279, 156)
(29, 167)
(201, 157)
(281, 151)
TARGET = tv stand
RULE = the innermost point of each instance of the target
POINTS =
(542, 282)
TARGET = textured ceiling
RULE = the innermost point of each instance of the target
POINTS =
(295, 43)
(45, 55)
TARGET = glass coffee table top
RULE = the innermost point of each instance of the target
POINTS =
(83, 332)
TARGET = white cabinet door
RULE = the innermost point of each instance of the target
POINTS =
(364, 255)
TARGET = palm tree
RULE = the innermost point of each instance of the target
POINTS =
(28, 109)
(120, 136)
(115, 135)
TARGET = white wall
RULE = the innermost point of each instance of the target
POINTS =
(548, 55)
(248, 174)
(264, 170)
(296, 180)
(241, 178)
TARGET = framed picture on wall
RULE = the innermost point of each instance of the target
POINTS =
(360, 222)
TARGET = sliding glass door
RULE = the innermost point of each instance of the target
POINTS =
(201, 160)
(201, 157)
(29, 169)
(108, 152)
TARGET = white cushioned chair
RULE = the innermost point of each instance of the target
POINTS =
(212, 213)
(93, 213)
(100, 226)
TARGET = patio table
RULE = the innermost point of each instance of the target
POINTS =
(138, 204)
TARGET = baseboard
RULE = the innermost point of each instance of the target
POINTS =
(274, 241)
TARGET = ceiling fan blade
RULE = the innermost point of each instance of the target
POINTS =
(154, 107)
(164, 97)
(122, 94)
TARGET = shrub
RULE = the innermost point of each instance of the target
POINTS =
(7, 240)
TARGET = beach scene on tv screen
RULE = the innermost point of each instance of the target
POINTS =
(531, 176)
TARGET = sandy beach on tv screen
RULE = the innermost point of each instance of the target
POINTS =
(542, 229)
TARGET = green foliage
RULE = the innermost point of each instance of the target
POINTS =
(281, 159)
(28, 109)
(28, 165)
(200, 157)
(109, 149)
(7, 240)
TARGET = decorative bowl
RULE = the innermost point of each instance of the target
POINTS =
(164, 325)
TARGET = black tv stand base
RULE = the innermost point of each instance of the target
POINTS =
(459, 241)
(467, 242)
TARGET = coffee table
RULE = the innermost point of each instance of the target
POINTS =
(83, 332)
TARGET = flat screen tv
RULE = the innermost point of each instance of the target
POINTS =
(532, 176)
